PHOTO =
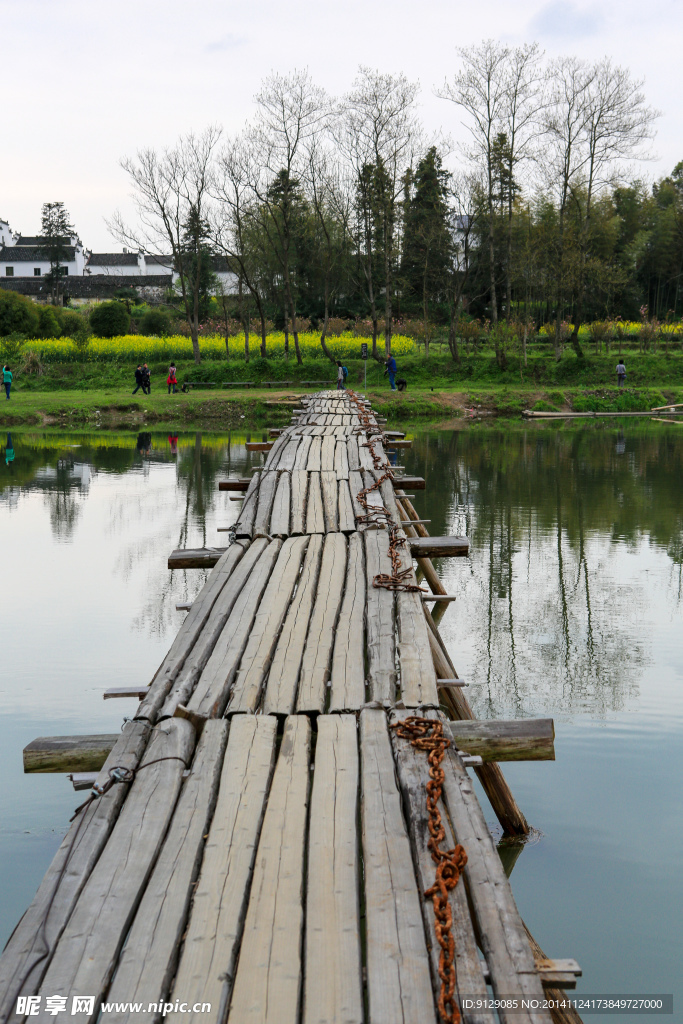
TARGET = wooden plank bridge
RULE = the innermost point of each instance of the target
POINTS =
(256, 846)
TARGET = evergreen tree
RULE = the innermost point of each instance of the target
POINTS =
(427, 262)
(56, 233)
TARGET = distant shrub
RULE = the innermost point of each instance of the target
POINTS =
(17, 314)
(110, 320)
(30, 362)
(155, 323)
(48, 324)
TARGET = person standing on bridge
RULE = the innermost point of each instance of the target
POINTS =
(7, 379)
(391, 370)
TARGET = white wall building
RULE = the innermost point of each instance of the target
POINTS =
(22, 255)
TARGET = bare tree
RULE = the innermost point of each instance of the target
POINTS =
(481, 88)
(381, 132)
(291, 110)
(171, 191)
(463, 192)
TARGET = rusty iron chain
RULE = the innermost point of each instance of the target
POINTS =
(380, 516)
(426, 734)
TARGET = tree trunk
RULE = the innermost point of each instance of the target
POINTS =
(323, 336)
(286, 335)
(246, 337)
(492, 255)
(388, 277)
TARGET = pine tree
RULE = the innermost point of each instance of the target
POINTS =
(57, 231)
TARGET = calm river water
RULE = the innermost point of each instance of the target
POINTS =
(571, 606)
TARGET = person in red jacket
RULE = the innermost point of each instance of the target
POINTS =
(171, 380)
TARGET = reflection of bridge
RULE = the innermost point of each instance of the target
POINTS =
(64, 475)
(264, 830)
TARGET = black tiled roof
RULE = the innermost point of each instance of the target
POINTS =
(38, 240)
(165, 261)
(31, 254)
(113, 259)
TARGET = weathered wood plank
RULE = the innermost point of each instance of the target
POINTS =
(315, 664)
(220, 900)
(410, 483)
(347, 520)
(288, 456)
(283, 678)
(315, 518)
(264, 633)
(68, 753)
(413, 775)
(148, 961)
(314, 455)
(333, 989)
(301, 460)
(374, 499)
(347, 679)
(268, 981)
(278, 447)
(279, 519)
(398, 976)
(355, 487)
(341, 460)
(439, 547)
(23, 963)
(329, 443)
(245, 524)
(299, 488)
(379, 619)
(418, 678)
(364, 454)
(330, 496)
(88, 949)
(352, 453)
(266, 496)
(211, 693)
(499, 927)
(195, 558)
(174, 687)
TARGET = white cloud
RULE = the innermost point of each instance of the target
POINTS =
(563, 20)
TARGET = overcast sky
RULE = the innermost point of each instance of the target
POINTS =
(87, 83)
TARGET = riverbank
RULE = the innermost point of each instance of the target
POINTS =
(218, 408)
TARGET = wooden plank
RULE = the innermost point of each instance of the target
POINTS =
(258, 446)
(347, 520)
(522, 739)
(279, 518)
(68, 753)
(268, 981)
(418, 678)
(219, 905)
(439, 547)
(410, 483)
(233, 485)
(273, 458)
(398, 976)
(195, 558)
(266, 496)
(379, 619)
(288, 456)
(499, 928)
(211, 693)
(301, 460)
(329, 443)
(333, 987)
(330, 496)
(264, 633)
(374, 499)
(177, 678)
(314, 455)
(364, 454)
(299, 488)
(148, 961)
(341, 460)
(315, 664)
(23, 963)
(245, 524)
(88, 949)
(413, 775)
(347, 679)
(283, 678)
(315, 519)
(355, 487)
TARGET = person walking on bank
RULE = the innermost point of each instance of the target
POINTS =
(171, 380)
(146, 379)
(340, 376)
(7, 379)
(621, 372)
(139, 380)
(391, 370)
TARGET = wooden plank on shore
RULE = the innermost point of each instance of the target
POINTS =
(315, 518)
(23, 963)
(176, 679)
(329, 443)
(212, 691)
(347, 679)
(219, 904)
(398, 976)
(330, 496)
(68, 753)
(279, 517)
(268, 982)
(255, 662)
(314, 455)
(148, 961)
(266, 496)
(315, 664)
(347, 520)
(413, 775)
(299, 488)
(379, 619)
(333, 985)
(499, 928)
(521, 739)
(439, 547)
(283, 677)
(88, 949)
